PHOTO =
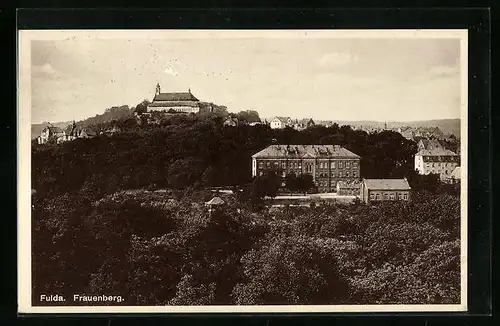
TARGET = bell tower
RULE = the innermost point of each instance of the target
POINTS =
(157, 89)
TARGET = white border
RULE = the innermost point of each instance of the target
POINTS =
(24, 163)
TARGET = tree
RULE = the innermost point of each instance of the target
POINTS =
(305, 183)
(142, 107)
(291, 182)
(248, 116)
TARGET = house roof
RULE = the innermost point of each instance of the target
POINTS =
(215, 201)
(182, 96)
(299, 151)
(430, 144)
(282, 119)
(387, 184)
(435, 152)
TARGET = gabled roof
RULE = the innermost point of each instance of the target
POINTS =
(182, 96)
(215, 201)
(436, 152)
(387, 184)
(299, 151)
(282, 119)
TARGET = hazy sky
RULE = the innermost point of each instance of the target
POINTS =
(335, 79)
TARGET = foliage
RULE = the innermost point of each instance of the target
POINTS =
(96, 229)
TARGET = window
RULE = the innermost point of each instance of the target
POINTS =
(340, 165)
(260, 173)
(260, 165)
(340, 174)
(283, 165)
(332, 165)
(386, 196)
(392, 196)
(400, 196)
(354, 164)
(276, 164)
(347, 174)
(372, 196)
(300, 165)
(268, 164)
(333, 174)
(347, 165)
(354, 174)
(378, 196)
(405, 196)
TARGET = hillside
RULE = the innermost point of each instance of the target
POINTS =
(113, 113)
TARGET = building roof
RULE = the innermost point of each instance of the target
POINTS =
(182, 96)
(387, 184)
(282, 119)
(436, 152)
(215, 201)
(299, 151)
(430, 144)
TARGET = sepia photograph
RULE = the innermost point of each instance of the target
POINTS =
(242, 170)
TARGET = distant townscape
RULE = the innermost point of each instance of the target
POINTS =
(189, 204)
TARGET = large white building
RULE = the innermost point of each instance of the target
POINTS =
(183, 102)
(437, 161)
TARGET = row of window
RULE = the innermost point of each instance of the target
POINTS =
(391, 196)
(440, 164)
(442, 158)
(340, 174)
(321, 165)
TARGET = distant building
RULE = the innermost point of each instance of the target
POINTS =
(377, 190)
(327, 164)
(280, 122)
(51, 133)
(303, 124)
(349, 188)
(437, 161)
(429, 132)
(183, 102)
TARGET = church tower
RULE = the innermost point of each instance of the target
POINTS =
(157, 89)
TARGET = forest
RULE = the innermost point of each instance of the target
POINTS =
(124, 215)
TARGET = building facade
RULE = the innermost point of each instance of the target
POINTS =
(378, 190)
(437, 161)
(327, 164)
(183, 102)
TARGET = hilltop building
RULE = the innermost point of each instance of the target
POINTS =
(430, 144)
(327, 164)
(438, 161)
(183, 102)
(377, 190)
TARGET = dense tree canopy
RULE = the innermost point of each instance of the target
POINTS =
(124, 214)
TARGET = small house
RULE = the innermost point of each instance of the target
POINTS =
(377, 190)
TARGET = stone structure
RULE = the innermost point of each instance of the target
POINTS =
(437, 161)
